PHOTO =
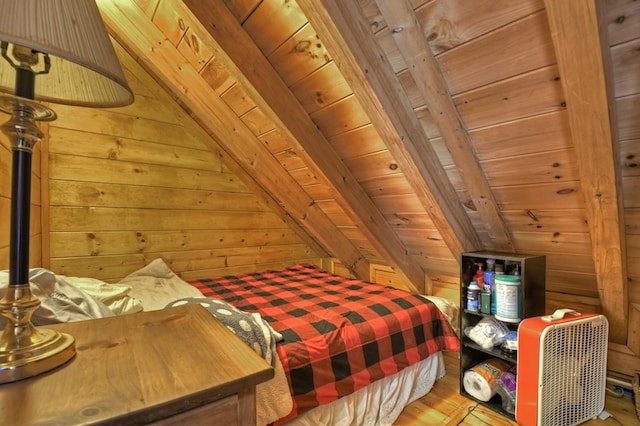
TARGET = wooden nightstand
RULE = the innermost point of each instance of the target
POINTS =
(174, 366)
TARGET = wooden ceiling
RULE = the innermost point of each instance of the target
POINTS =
(404, 132)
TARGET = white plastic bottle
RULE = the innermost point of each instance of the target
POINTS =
(473, 297)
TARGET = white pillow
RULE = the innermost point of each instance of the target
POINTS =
(115, 296)
(449, 309)
(156, 285)
(60, 300)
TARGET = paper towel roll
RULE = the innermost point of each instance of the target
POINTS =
(481, 381)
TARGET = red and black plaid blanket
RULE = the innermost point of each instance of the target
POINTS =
(339, 334)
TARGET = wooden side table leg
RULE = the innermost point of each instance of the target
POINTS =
(247, 407)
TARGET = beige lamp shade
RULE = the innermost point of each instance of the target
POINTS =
(84, 67)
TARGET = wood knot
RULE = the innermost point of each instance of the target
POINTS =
(470, 205)
(565, 191)
(302, 46)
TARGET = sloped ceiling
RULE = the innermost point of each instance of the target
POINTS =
(406, 132)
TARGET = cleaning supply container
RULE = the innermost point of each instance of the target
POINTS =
(508, 298)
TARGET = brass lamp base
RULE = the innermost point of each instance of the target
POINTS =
(25, 350)
(48, 349)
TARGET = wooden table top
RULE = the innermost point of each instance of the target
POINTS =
(137, 368)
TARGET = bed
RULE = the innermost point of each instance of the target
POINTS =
(344, 351)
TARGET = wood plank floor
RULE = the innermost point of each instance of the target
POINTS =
(445, 406)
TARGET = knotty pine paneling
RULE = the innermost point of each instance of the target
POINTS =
(624, 38)
(274, 141)
(342, 116)
(321, 88)
(290, 159)
(357, 142)
(625, 66)
(629, 153)
(478, 63)
(299, 56)
(192, 48)
(547, 220)
(111, 243)
(564, 196)
(377, 165)
(237, 99)
(392, 184)
(242, 8)
(448, 24)
(271, 24)
(538, 133)
(101, 146)
(257, 121)
(5, 197)
(335, 213)
(5, 162)
(628, 124)
(533, 93)
(545, 167)
(464, 23)
(131, 184)
(217, 76)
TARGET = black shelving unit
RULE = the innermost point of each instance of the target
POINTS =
(532, 294)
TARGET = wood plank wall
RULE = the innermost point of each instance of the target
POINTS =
(128, 185)
(623, 19)
(5, 197)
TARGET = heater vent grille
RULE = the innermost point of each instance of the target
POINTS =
(574, 365)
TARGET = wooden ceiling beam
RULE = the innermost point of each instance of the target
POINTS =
(578, 30)
(234, 47)
(410, 39)
(345, 33)
(151, 48)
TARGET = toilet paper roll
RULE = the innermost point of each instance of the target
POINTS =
(481, 381)
(477, 386)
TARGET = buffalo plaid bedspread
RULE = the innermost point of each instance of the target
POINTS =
(339, 334)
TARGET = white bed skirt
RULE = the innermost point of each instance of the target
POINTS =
(381, 402)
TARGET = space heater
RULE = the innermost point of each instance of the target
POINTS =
(562, 368)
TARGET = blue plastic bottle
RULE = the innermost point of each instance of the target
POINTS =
(489, 274)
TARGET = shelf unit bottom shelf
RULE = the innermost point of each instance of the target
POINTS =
(494, 404)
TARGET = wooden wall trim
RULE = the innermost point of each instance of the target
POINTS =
(582, 49)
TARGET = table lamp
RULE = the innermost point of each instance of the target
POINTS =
(53, 51)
